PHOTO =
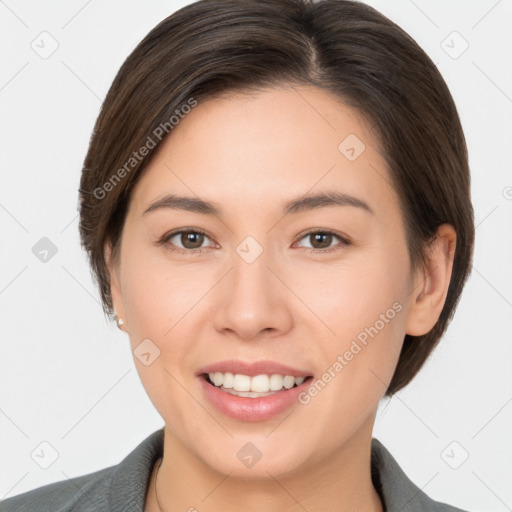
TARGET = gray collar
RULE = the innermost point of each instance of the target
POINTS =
(396, 490)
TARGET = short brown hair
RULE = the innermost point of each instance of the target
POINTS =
(211, 47)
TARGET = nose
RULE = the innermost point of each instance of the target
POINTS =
(253, 302)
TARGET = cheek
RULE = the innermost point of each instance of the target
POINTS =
(352, 295)
(365, 307)
(156, 294)
(358, 366)
(157, 306)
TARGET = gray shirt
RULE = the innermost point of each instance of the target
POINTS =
(122, 488)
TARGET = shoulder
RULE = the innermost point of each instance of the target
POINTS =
(397, 491)
(119, 488)
(85, 493)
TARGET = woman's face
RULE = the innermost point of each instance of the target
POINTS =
(266, 282)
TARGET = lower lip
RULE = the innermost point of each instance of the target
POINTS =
(252, 409)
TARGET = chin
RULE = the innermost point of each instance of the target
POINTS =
(264, 469)
(249, 457)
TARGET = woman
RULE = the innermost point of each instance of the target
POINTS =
(276, 206)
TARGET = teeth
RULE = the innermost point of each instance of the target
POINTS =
(259, 383)
(247, 385)
(216, 378)
(241, 382)
(228, 381)
(275, 382)
(288, 382)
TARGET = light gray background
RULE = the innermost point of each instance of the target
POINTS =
(68, 378)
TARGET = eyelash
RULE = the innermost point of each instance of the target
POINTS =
(344, 242)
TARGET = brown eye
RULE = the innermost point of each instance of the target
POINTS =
(321, 241)
(190, 240)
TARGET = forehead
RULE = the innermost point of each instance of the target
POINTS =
(265, 147)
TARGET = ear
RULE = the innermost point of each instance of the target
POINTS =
(115, 286)
(431, 286)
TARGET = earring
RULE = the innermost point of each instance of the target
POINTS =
(120, 322)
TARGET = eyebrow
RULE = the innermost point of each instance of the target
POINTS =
(296, 205)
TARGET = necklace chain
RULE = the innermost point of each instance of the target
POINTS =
(156, 491)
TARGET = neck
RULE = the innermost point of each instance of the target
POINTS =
(340, 482)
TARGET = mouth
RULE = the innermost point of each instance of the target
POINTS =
(252, 390)
(257, 386)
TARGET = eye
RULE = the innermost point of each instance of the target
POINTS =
(322, 239)
(191, 240)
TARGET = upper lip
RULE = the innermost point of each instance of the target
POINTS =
(252, 368)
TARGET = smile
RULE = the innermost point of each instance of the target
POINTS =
(257, 386)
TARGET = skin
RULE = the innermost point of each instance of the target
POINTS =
(250, 154)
